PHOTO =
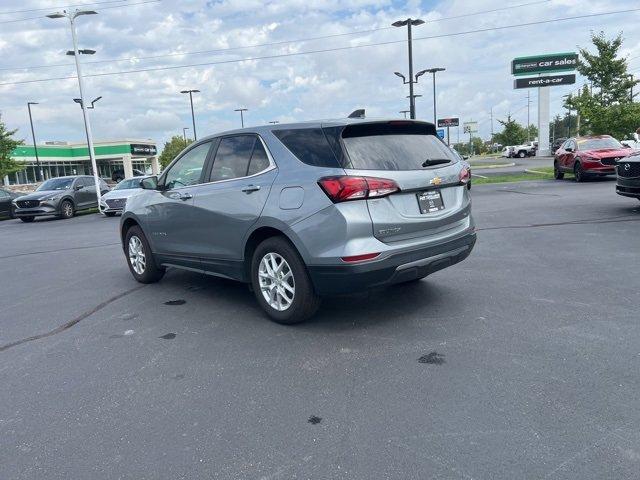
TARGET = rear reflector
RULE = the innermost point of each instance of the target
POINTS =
(360, 258)
(344, 188)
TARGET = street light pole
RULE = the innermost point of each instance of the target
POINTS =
(433, 71)
(35, 146)
(193, 118)
(241, 115)
(85, 114)
(409, 23)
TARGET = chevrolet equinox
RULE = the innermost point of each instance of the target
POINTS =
(304, 210)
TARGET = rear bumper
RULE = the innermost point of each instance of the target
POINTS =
(397, 268)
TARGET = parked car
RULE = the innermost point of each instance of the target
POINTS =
(528, 149)
(6, 205)
(60, 196)
(304, 210)
(628, 176)
(588, 156)
(113, 202)
(118, 175)
(557, 143)
(507, 152)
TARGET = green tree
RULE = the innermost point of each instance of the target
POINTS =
(513, 133)
(172, 148)
(605, 107)
(7, 145)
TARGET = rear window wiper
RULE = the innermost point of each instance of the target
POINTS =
(435, 161)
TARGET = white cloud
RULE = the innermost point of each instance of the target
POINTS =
(323, 85)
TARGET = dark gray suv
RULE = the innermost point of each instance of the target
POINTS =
(305, 210)
(60, 196)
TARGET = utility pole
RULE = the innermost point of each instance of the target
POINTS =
(35, 146)
(409, 23)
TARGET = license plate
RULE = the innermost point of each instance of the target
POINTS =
(430, 201)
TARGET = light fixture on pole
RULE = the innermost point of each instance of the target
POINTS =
(71, 16)
(35, 146)
(184, 133)
(409, 22)
(405, 112)
(93, 102)
(193, 118)
(432, 71)
(241, 115)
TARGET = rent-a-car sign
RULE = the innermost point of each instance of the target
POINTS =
(548, 81)
(553, 62)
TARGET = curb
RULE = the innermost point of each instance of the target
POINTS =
(482, 167)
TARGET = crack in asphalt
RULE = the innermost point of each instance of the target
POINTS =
(530, 193)
(84, 247)
(592, 221)
(71, 323)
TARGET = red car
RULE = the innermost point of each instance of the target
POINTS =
(588, 156)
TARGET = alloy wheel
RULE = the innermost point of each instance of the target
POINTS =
(67, 209)
(276, 281)
(137, 257)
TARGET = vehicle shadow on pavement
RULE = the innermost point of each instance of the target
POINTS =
(379, 306)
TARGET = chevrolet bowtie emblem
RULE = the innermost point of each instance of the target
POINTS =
(436, 181)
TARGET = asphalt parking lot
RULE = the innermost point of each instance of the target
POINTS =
(520, 362)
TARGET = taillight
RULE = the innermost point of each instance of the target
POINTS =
(344, 188)
(464, 176)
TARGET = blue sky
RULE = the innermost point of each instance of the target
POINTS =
(288, 88)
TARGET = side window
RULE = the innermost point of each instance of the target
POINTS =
(232, 157)
(87, 182)
(259, 160)
(310, 145)
(187, 170)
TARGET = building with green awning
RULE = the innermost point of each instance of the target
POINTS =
(57, 159)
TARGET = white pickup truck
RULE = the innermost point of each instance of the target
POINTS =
(635, 143)
(525, 150)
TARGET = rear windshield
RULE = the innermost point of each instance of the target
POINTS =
(598, 143)
(394, 147)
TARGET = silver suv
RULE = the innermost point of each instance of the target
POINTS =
(304, 210)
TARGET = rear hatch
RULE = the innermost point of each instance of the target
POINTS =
(431, 199)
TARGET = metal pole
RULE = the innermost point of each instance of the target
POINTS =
(492, 142)
(184, 133)
(448, 137)
(434, 97)
(85, 114)
(241, 119)
(35, 147)
(412, 101)
(193, 117)
(528, 106)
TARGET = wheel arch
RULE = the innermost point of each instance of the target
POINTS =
(258, 235)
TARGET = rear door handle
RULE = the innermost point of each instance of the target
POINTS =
(251, 188)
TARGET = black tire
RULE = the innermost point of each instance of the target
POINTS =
(522, 154)
(66, 209)
(469, 185)
(12, 212)
(150, 272)
(578, 173)
(557, 174)
(305, 301)
(27, 219)
(110, 214)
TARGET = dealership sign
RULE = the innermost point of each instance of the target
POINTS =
(548, 81)
(448, 122)
(554, 62)
(138, 149)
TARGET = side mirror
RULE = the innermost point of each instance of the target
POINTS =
(149, 183)
(465, 157)
(78, 187)
(568, 149)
